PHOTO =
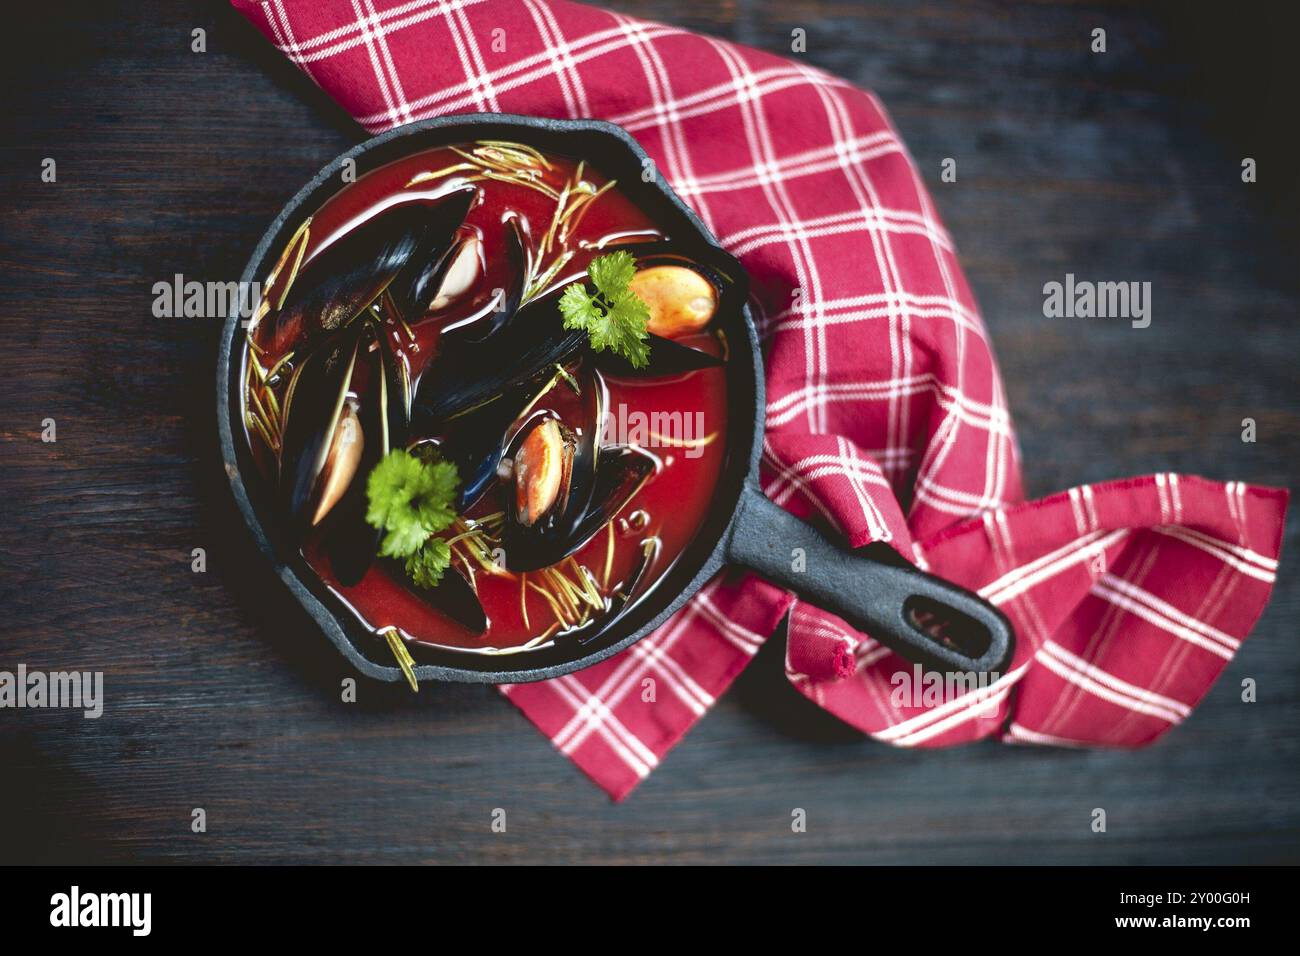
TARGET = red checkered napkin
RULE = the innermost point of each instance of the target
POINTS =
(887, 416)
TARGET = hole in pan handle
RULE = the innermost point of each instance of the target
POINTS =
(924, 618)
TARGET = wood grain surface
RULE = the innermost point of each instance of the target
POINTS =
(220, 693)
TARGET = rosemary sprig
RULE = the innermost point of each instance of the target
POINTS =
(569, 380)
(517, 149)
(541, 638)
(523, 599)
(473, 541)
(404, 659)
(258, 426)
(498, 161)
(262, 407)
(571, 592)
(295, 248)
(551, 600)
(571, 204)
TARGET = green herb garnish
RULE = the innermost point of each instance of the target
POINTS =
(426, 566)
(614, 316)
(411, 500)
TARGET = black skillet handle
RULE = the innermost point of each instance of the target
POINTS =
(890, 603)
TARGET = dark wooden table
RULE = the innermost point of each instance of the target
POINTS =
(221, 695)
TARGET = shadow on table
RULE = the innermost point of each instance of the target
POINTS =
(243, 41)
(56, 815)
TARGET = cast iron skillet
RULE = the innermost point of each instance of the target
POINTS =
(743, 527)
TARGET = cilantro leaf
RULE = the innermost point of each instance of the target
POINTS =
(612, 273)
(578, 307)
(437, 507)
(624, 329)
(613, 316)
(427, 565)
(409, 500)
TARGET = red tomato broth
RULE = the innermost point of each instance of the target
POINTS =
(676, 497)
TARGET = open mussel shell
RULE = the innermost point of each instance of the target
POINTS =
(668, 357)
(341, 281)
(507, 305)
(476, 442)
(313, 408)
(384, 414)
(534, 535)
(621, 470)
(418, 284)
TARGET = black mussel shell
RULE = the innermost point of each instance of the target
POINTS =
(621, 470)
(454, 596)
(350, 542)
(586, 455)
(583, 439)
(484, 330)
(666, 358)
(313, 405)
(417, 285)
(620, 473)
(343, 279)
(476, 441)
(465, 376)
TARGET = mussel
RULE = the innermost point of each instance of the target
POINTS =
(620, 472)
(684, 287)
(660, 266)
(398, 249)
(543, 470)
(350, 541)
(680, 299)
(341, 462)
(507, 304)
(457, 273)
(467, 375)
(416, 287)
(314, 406)
(562, 486)
(346, 406)
(552, 474)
